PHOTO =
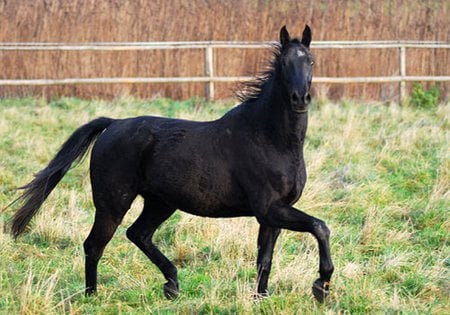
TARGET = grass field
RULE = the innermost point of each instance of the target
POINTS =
(378, 175)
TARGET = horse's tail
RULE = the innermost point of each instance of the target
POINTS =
(73, 150)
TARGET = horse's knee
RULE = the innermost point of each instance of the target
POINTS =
(321, 230)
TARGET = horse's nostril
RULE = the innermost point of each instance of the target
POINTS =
(307, 98)
(295, 97)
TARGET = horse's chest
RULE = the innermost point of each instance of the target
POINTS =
(296, 190)
(290, 182)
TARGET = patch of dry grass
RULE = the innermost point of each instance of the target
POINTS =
(378, 175)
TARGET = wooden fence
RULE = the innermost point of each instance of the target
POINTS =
(209, 77)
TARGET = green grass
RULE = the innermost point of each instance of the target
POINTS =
(378, 175)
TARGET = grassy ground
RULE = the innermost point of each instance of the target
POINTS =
(378, 175)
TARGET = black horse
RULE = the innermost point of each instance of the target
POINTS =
(247, 163)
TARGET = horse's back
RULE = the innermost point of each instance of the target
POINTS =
(187, 164)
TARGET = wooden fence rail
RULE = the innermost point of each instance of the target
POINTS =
(208, 46)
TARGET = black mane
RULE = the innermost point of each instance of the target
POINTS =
(250, 90)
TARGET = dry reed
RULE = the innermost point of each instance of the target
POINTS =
(126, 21)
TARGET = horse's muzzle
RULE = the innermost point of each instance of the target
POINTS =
(300, 101)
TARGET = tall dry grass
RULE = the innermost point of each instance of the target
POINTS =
(378, 175)
(124, 21)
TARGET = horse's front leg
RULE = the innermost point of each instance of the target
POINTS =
(287, 217)
(267, 238)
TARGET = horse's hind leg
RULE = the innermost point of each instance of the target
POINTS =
(141, 232)
(101, 233)
(109, 214)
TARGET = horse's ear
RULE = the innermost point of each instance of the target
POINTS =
(285, 39)
(306, 37)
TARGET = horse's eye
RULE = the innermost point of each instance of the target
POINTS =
(312, 62)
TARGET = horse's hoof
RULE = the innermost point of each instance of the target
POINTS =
(321, 290)
(90, 292)
(171, 290)
(258, 297)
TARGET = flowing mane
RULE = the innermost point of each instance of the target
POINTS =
(251, 90)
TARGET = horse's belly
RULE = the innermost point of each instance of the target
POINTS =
(211, 193)
(222, 212)
(208, 203)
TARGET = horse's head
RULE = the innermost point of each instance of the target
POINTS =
(295, 68)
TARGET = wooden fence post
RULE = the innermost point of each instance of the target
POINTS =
(209, 72)
(402, 54)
